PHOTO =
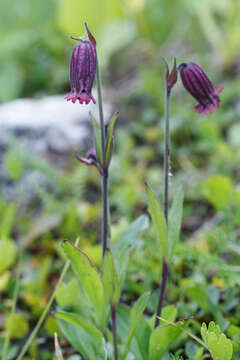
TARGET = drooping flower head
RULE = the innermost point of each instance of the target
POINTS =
(83, 70)
(200, 87)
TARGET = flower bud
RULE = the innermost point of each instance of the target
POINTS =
(200, 87)
(91, 158)
(171, 77)
(82, 72)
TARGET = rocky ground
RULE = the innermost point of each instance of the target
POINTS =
(46, 129)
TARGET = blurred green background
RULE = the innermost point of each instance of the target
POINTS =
(132, 38)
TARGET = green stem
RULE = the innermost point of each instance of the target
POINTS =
(165, 267)
(114, 329)
(14, 303)
(45, 312)
(105, 233)
(105, 224)
(166, 154)
(187, 332)
(162, 291)
(100, 107)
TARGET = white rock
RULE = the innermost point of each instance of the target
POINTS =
(49, 123)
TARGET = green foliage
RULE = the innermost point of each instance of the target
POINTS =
(164, 335)
(125, 32)
(69, 295)
(142, 335)
(13, 164)
(200, 295)
(126, 243)
(83, 324)
(97, 139)
(31, 49)
(19, 326)
(101, 293)
(72, 13)
(12, 353)
(135, 318)
(199, 354)
(175, 220)
(88, 275)
(82, 338)
(8, 253)
(51, 326)
(204, 159)
(8, 213)
(218, 190)
(110, 280)
(158, 222)
(109, 140)
(217, 343)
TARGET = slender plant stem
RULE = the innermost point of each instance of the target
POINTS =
(100, 107)
(45, 312)
(14, 303)
(105, 214)
(106, 222)
(114, 329)
(162, 291)
(105, 225)
(166, 154)
(165, 269)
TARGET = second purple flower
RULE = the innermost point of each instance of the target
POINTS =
(200, 87)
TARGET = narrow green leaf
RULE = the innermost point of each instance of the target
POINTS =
(123, 315)
(139, 307)
(79, 321)
(142, 335)
(97, 138)
(135, 317)
(109, 153)
(109, 143)
(163, 337)
(129, 238)
(82, 340)
(159, 222)
(89, 277)
(121, 268)
(175, 220)
(110, 281)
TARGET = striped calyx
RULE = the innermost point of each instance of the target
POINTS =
(200, 87)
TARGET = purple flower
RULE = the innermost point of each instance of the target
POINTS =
(200, 87)
(82, 71)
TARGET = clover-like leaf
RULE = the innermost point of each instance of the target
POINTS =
(219, 346)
